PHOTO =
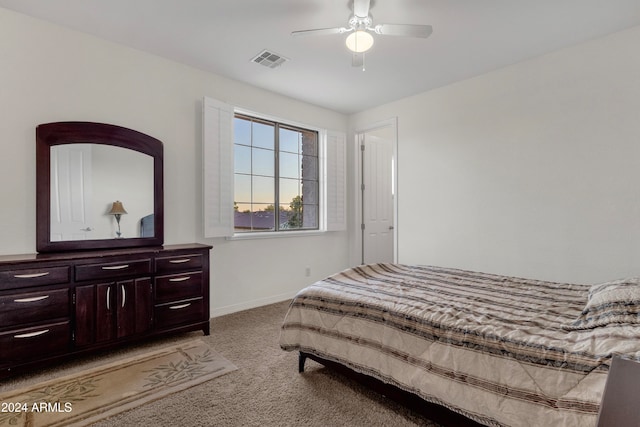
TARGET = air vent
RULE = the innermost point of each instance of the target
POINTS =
(269, 59)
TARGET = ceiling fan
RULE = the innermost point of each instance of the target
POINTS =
(361, 28)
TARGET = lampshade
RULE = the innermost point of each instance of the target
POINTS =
(359, 41)
(117, 208)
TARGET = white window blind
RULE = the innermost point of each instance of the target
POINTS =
(217, 158)
(336, 181)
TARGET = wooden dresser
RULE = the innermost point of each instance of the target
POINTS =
(57, 306)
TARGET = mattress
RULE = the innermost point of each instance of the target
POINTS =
(503, 351)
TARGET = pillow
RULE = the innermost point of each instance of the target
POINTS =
(616, 302)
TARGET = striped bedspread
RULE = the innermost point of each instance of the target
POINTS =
(492, 348)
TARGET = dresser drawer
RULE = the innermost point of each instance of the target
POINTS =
(178, 286)
(178, 313)
(32, 343)
(179, 263)
(35, 306)
(19, 278)
(112, 270)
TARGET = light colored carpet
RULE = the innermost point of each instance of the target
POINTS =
(266, 390)
(94, 394)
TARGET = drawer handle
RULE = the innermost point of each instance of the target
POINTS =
(178, 307)
(31, 334)
(179, 261)
(32, 299)
(180, 279)
(115, 267)
(30, 276)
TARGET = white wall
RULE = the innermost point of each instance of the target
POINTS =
(532, 170)
(49, 74)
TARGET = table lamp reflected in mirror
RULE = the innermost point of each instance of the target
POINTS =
(117, 210)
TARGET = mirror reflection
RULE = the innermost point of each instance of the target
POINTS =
(100, 192)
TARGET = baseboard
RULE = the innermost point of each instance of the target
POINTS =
(221, 311)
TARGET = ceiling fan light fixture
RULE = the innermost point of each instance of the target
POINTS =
(359, 41)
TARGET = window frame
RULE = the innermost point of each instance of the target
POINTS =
(279, 123)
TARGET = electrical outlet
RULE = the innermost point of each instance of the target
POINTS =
(307, 271)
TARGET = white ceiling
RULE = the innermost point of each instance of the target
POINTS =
(470, 37)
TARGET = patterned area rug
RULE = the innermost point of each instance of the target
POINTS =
(86, 397)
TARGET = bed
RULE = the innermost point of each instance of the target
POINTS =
(502, 351)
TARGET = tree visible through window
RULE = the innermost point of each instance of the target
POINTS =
(276, 173)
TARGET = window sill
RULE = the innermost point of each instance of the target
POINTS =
(275, 234)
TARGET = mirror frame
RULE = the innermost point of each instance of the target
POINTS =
(58, 133)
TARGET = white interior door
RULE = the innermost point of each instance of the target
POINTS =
(377, 197)
(70, 192)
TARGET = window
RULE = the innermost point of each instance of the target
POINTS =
(312, 161)
(276, 176)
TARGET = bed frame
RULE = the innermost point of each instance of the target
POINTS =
(436, 413)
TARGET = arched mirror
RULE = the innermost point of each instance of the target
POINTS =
(98, 186)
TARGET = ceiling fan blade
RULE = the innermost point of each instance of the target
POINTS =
(361, 8)
(357, 60)
(320, 31)
(406, 30)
